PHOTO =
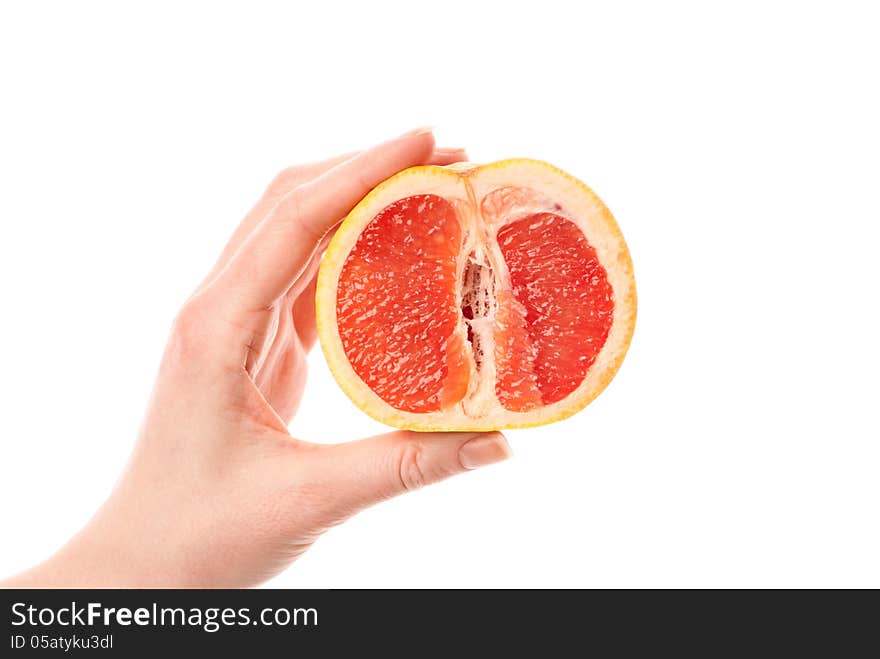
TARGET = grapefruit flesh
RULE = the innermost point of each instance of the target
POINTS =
(561, 293)
(476, 298)
(397, 309)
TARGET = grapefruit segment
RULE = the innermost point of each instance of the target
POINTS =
(516, 384)
(396, 306)
(476, 297)
(557, 278)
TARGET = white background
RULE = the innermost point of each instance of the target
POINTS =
(739, 149)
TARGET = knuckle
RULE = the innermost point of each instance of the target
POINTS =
(190, 326)
(296, 212)
(205, 338)
(189, 316)
(411, 467)
(283, 181)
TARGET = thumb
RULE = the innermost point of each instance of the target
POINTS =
(361, 473)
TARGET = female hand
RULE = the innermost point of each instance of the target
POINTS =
(217, 492)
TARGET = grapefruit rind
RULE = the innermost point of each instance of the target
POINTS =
(473, 182)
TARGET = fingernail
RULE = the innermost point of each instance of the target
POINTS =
(419, 131)
(484, 450)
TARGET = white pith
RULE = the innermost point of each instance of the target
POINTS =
(466, 186)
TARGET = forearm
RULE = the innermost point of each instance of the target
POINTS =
(110, 554)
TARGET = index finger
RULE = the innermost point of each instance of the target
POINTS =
(279, 249)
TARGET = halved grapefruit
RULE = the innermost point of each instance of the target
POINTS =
(476, 297)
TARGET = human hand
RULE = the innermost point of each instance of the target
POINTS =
(217, 492)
